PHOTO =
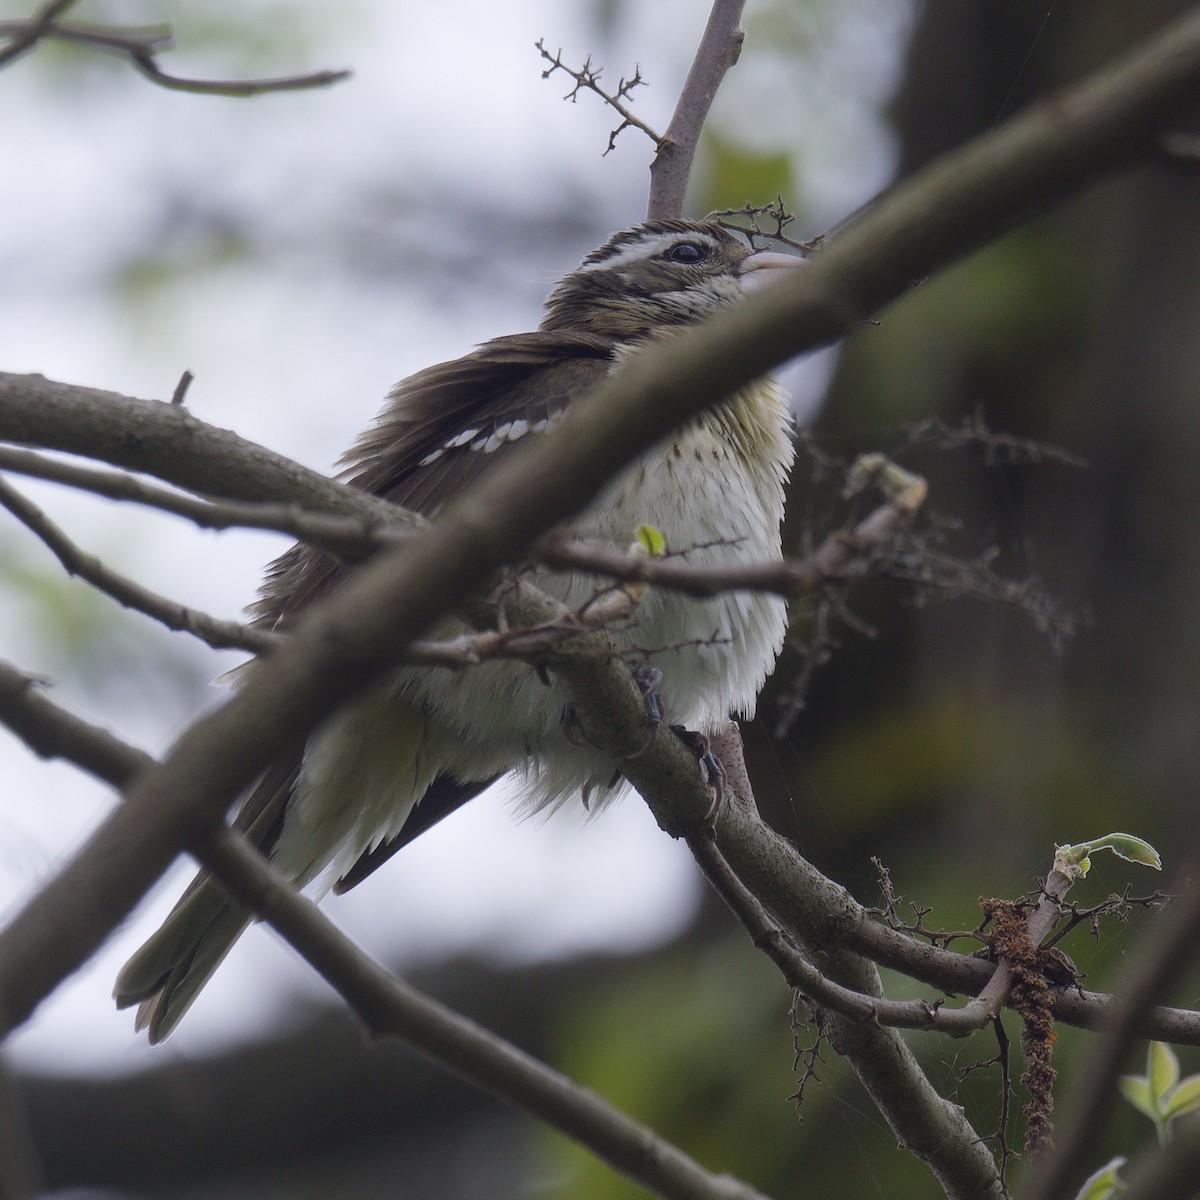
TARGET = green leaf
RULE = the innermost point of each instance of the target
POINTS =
(651, 540)
(1103, 1183)
(1136, 1089)
(1162, 1070)
(1124, 845)
(1185, 1098)
(1132, 849)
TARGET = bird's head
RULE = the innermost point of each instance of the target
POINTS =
(663, 273)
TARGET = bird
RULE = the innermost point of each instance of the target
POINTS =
(417, 746)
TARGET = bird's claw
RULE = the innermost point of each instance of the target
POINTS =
(647, 680)
(699, 745)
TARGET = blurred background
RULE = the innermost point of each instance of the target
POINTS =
(301, 252)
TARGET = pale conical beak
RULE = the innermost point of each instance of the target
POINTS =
(764, 267)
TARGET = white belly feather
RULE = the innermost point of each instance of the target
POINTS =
(716, 494)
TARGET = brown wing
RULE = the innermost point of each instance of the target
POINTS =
(417, 455)
(443, 428)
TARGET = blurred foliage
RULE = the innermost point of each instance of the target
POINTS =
(730, 174)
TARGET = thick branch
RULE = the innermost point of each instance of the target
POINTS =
(719, 48)
(386, 1005)
(167, 441)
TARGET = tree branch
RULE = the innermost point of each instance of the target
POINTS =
(350, 538)
(167, 441)
(347, 642)
(140, 45)
(220, 635)
(386, 1005)
(720, 45)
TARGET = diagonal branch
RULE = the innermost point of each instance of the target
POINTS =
(386, 1004)
(349, 538)
(140, 45)
(219, 634)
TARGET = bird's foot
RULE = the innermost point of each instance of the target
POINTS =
(572, 730)
(647, 680)
(699, 745)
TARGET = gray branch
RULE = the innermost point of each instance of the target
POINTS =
(386, 1004)
(719, 48)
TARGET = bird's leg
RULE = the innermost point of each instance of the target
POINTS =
(699, 745)
(647, 679)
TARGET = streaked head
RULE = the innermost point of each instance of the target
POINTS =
(662, 273)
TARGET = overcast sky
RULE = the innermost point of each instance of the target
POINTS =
(300, 253)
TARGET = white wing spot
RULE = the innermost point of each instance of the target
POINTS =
(432, 458)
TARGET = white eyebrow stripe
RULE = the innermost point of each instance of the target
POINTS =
(645, 248)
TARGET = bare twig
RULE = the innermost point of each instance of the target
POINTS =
(753, 229)
(804, 977)
(791, 577)
(140, 45)
(349, 538)
(25, 35)
(588, 77)
(221, 635)
(147, 64)
(385, 1004)
(720, 45)
(181, 388)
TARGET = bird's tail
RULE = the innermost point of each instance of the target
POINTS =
(167, 973)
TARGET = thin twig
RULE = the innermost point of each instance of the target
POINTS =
(181, 388)
(804, 977)
(147, 64)
(25, 35)
(140, 45)
(789, 577)
(588, 77)
(217, 633)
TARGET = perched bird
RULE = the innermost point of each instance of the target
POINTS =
(414, 748)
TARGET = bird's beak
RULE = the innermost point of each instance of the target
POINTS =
(764, 267)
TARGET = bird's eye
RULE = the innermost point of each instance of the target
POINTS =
(688, 253)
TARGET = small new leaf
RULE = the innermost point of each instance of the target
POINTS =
(1103, 1183)
(651, 540)
(1162, 1070)
(1160, 1094)
(1185, 1098)
(1124, 845)
(1136, 1089)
